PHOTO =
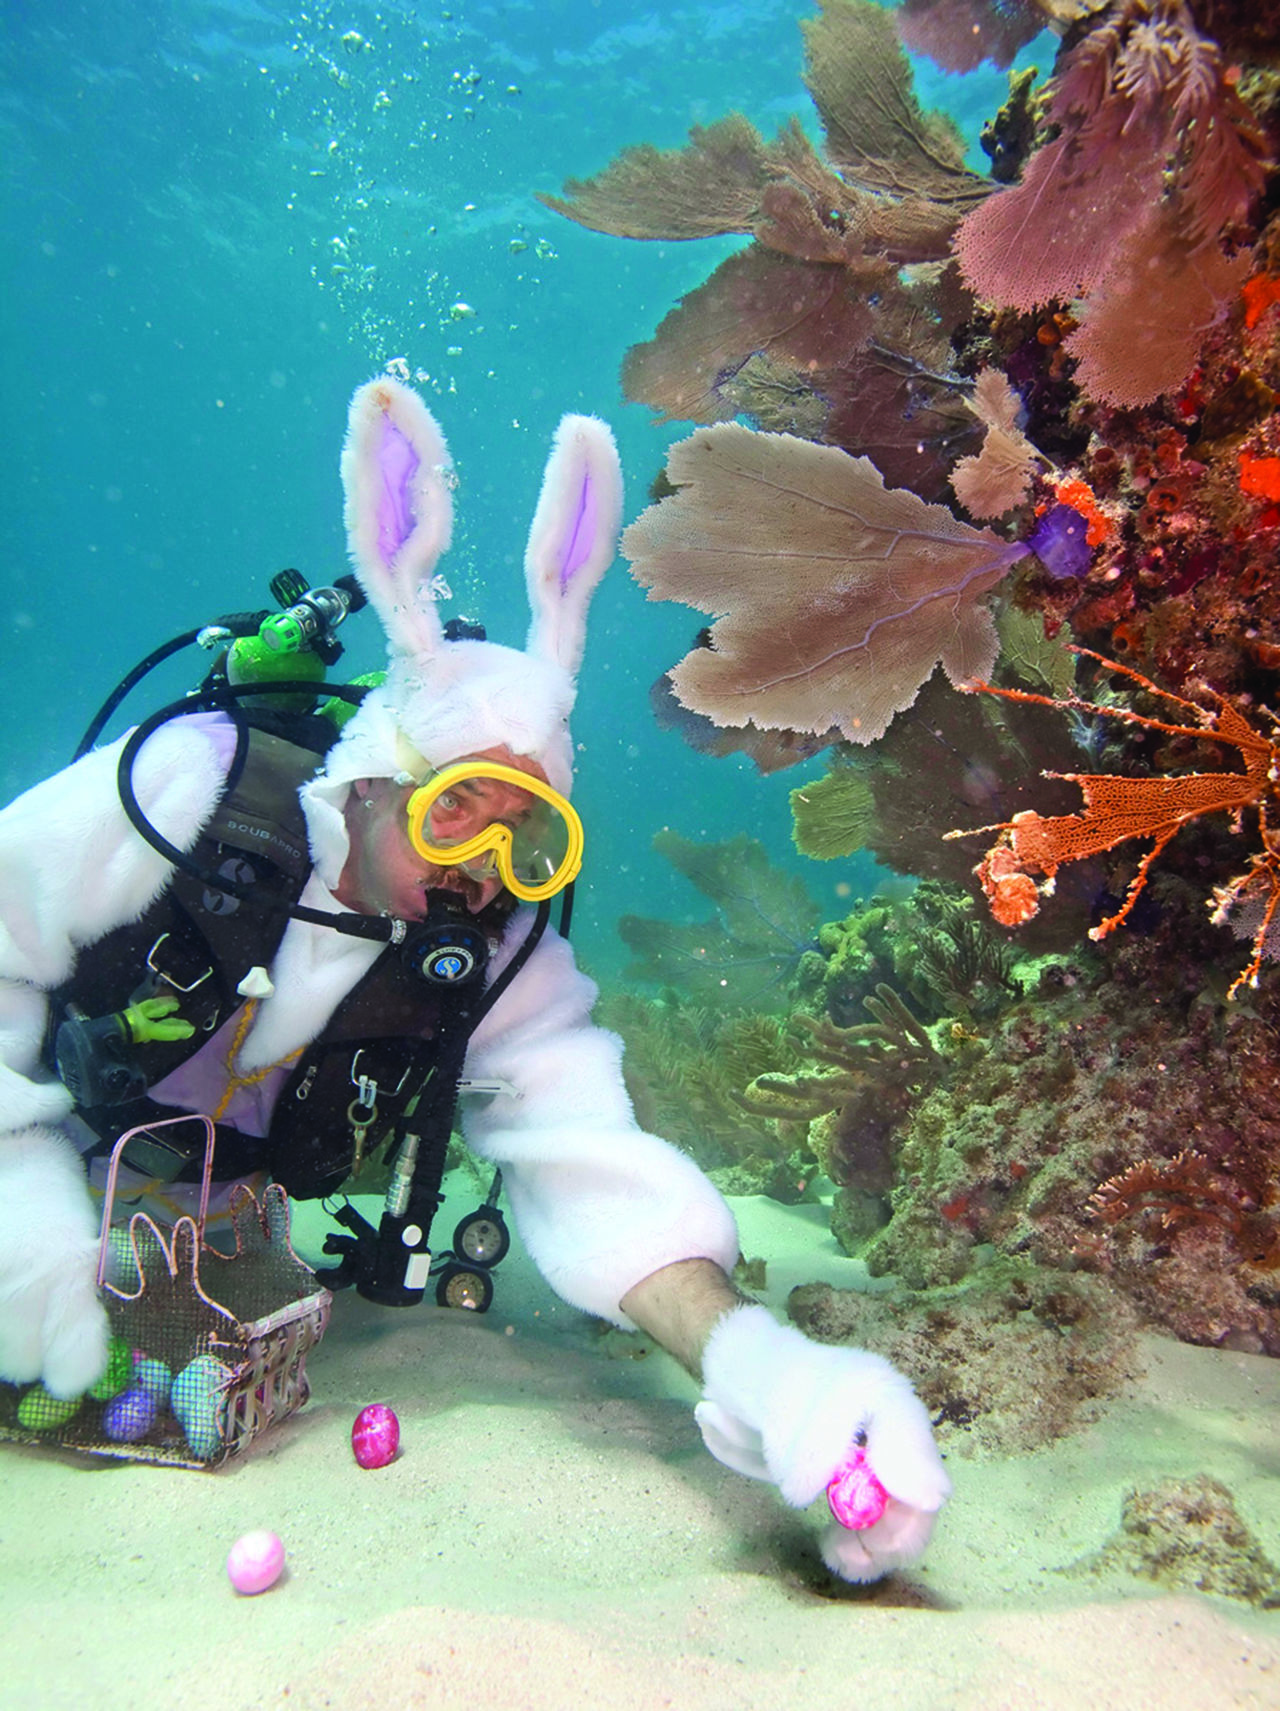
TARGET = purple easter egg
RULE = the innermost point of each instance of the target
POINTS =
(130, 1416)
(375, 1437)
(255, 1562)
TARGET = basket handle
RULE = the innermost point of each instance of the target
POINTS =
(206, 1179)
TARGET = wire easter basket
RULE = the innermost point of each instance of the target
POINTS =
(208, 1349)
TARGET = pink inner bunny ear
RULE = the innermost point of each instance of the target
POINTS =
(398, 463)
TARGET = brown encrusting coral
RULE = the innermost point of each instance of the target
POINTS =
(1094, 1083)
(1006, 1362)
(1188, 1534)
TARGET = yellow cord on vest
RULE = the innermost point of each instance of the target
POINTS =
(236, 1082)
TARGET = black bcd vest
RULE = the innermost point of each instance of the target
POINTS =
(199, 943)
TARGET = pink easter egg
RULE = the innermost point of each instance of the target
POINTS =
(375, 1437)
(255, 1561)
(856, 1496)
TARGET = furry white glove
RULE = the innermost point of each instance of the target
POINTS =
(52, 1322)
(777, 1407)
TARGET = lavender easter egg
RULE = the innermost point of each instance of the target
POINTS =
(130, 1416)
(375, 1437)
(255, 1562)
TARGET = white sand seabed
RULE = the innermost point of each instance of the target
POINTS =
(553, 1536)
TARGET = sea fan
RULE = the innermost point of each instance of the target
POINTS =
(1155, 159)
(876, 133)
(834, 595)
(997, 478)
(847, 293)
(758, 301)
(959, 34)
(748, 953)
(1147, 321)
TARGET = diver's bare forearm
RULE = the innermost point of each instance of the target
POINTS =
(680, 1305)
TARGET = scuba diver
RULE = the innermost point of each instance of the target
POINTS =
(314, 941)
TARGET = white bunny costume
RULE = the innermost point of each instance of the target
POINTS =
(600, 1205)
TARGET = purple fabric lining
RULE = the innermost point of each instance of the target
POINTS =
(397, 465)
(220, 732)
(200, 1083)
(578, 547)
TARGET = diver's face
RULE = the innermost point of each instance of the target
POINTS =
(384, 874)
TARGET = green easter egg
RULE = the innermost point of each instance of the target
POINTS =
(40, 1412)
(118, 1374)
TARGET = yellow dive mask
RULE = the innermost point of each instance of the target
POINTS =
(535, 856)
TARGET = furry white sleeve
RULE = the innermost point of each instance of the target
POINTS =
(599, 1204)
(71, 869)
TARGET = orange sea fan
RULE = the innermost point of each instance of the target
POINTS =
(1118, 809)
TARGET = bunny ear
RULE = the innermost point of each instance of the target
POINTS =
(574, 537)
(399, 511)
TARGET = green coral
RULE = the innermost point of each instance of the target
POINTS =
(832, 816)
(686, 1067)
(931, 947)
(752, 952)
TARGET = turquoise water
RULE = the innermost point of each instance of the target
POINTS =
(221, 217)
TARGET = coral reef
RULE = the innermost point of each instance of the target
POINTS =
(1112, 1115)
(1188, 1534)
(853, 1082)
(931, 946)
(1082, 356)
(848, 1106)
(685, 1068)
(1011, 1359)
(1088, 1078)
